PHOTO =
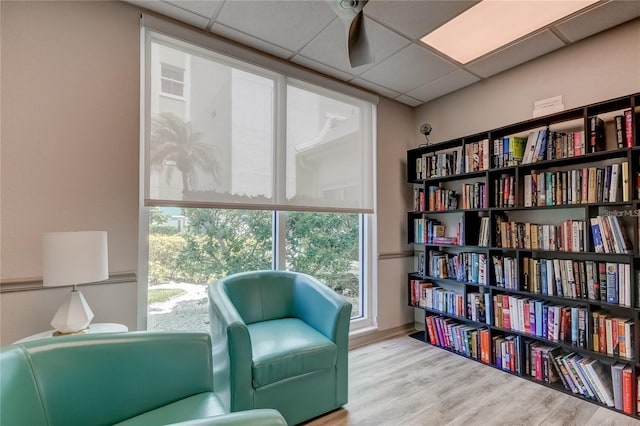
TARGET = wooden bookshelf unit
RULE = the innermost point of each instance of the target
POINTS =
(527, 249)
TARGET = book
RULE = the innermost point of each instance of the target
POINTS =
(620, 129)
(596, 134)
(616, 379)
(602, 379)
(628, 128)
(627, 391)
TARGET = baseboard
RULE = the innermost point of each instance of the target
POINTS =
(364, 337)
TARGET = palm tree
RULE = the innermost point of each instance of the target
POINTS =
(172, 139)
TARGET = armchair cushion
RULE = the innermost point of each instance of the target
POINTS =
(299, 349)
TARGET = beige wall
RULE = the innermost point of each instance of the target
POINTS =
(396, 127)
(70, 136)
(70, 113)
(598, 68)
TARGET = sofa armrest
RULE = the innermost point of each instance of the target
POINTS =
(232, 376)
(258, 417)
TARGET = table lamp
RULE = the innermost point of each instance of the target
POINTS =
(70, 259)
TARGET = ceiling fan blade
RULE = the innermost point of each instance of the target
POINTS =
(360, 51)
(350, 12)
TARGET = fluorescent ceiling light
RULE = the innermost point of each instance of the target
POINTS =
(491, 24)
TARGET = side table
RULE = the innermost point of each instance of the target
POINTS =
(106, 327)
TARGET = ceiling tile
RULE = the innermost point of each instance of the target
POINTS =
(411, 67)
(250, 41)
(330, 46)
(208, 8)
(173, 11)
(443, 85)
(599, 19)
(415, 18)
(516, 54)
(375, 88)
(408, 100)
(325, 69)
(289, 24)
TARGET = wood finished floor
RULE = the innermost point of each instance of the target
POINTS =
(403, 381)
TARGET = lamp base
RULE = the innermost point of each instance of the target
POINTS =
(74, 315)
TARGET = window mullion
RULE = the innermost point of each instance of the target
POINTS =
(279, 240)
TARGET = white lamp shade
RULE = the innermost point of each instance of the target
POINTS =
(71, 258)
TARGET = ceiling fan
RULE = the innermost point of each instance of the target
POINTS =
(358, 46)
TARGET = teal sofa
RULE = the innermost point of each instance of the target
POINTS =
(280, 340)
(133, 379)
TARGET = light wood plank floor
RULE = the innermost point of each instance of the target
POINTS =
(403, 381)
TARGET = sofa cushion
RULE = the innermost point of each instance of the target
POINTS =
(288, 347)
(198, 406)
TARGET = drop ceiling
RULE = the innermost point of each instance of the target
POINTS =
(308, 33)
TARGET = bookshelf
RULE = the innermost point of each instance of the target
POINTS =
(527, 249)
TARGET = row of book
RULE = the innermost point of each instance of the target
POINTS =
(441, 199)
(431, 231)
(475, 196)
(476, 156)
(472, 158)
(579, 279)
(417, 292)
(609, 235)
(623, 126)
(613, 335)
(508, 151)
(419, 200)
(504, 191)
(464, 267)
(565, 145)
(438, 164)
(479, 307)
(578, 186)
(607, 384)
(536, 146)
(541, 144)
(470, 341)
(506, 353)
(569, 235)
(442, 300)
(505, 271)
(537, 317)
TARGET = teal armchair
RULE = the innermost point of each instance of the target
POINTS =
(134, 379)
(280, 340)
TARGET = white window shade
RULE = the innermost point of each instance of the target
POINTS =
(329, 150)
(241, 136)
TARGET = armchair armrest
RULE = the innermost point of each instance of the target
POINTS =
(258, 417)
(232, 377)
(322, 308)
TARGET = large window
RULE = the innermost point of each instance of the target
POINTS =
(244, 168)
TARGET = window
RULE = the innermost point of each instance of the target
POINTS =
(190, 248)
(256, 170)
(172, 80)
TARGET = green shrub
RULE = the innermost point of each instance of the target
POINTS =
(163, 254)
